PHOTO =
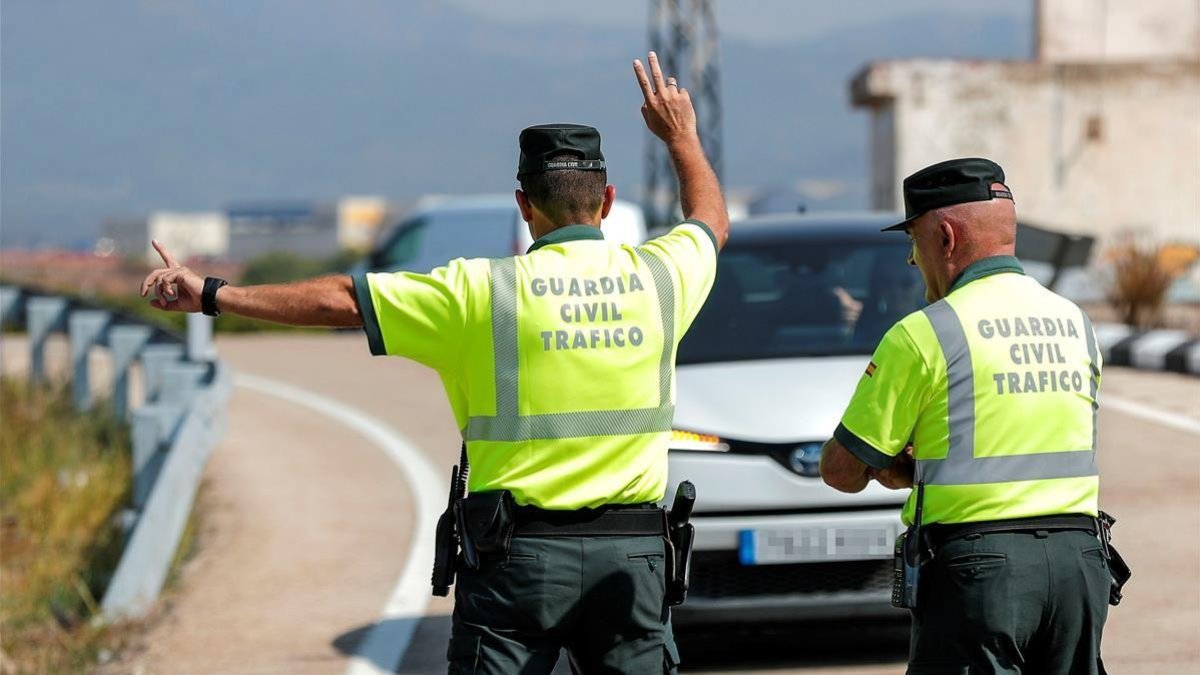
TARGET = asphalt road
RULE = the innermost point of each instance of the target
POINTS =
(295, 614)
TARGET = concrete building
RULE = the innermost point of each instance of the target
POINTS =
(302, 228)
(248, 230)
(360, 219)
(1099, 134)
(185, 234)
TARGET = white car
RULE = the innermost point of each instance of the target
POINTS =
(764, 375)
(442, 228)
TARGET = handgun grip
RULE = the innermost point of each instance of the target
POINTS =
(685, 500)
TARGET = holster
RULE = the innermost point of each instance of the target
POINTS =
(681, 537)
(485, 525)
(680, 541)
(1117, 567)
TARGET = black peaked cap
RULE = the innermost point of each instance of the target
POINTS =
(544, 141)
(955, 181)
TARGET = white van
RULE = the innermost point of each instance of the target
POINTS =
(482, 226)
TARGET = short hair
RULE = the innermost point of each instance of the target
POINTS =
(566, 196)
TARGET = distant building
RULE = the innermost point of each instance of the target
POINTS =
(305, 229)
(185, 234)
(251, 229)
(360, 221)
(1099, 134)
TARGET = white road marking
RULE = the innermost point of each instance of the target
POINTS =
(384, 646)
(1170, 419)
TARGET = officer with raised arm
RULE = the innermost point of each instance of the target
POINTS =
(559, 366)
(987, 400)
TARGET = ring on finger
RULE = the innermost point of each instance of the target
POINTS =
(671, 82)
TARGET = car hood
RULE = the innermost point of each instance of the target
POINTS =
(768, 401)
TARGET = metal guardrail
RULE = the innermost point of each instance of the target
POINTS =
(173, 432)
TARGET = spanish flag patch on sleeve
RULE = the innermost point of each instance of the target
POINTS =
(871, 368)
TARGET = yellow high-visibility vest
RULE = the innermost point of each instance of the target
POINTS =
(559, 364)
(995, 386)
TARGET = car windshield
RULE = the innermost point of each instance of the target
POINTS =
(802, 298)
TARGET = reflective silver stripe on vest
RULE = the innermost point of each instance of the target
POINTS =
(666, 306)
(1094, 366)
(503, 285)
(509, 425)
(961, 467)
(571, 424)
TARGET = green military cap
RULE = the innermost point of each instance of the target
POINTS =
(542, 142)
(955, 181)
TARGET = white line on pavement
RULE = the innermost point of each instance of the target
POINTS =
(1174, 420)
(385, 644)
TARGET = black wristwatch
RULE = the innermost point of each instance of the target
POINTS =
(208, 297)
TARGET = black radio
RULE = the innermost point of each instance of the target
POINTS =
(906, 565)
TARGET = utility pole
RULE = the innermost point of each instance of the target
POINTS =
(684, 34)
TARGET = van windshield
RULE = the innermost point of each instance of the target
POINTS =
(435, 238)
(802, 298)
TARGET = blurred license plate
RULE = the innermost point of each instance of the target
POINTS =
(814, 544)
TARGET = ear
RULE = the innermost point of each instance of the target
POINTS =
(525, 206)
(948, 240)
(610, 196)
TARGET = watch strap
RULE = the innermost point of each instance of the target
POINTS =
(208, 297)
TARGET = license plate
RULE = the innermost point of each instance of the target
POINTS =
(816, 544)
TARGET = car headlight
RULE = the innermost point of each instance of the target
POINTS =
(805, 459)
(690, 440)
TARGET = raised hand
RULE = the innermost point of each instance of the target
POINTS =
(176, 288)
(668, 107)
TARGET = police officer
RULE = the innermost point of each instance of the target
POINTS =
(987, 399)
(559, 368)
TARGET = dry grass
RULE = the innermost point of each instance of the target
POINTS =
(1142, 275)
(63, 478)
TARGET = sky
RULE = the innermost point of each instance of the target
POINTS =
(761, 22)
(112, 110)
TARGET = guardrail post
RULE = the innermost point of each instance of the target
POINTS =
(86, 328)
(199, 338)
(125, 341)
(42, 316)
(10, 305)
(181, 381)
(147, 436)
(155, 359)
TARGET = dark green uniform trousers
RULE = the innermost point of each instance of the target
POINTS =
(601, 598)
(1012, 602)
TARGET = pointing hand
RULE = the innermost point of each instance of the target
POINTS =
(176, 288)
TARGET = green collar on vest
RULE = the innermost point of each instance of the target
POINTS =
(986, 267)
(566, 233)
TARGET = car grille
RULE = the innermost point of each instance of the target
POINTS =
(718, 574)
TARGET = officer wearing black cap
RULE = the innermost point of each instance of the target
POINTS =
(987, 401)
(559, 366)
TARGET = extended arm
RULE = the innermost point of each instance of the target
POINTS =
(323, 301)
(669, 115)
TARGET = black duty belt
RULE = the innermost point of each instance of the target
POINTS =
(937, 533)
(616, 520)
